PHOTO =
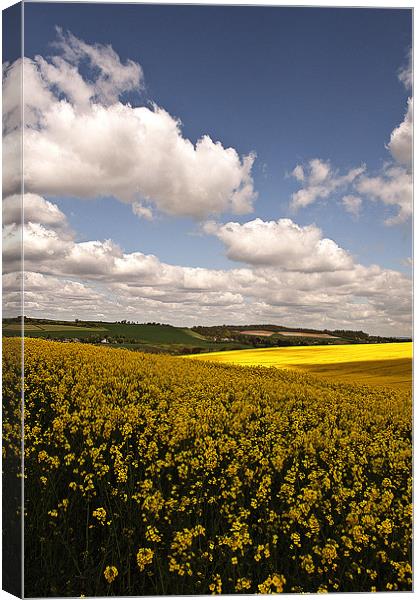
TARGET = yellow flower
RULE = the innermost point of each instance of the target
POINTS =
(171, 446)
(100, 514)
(307, 563)
(243, 584)
(386, 526)
(217, 585)
(274, 583)
(144, 557)
(110, 573)
(329, 552)
(152, 534)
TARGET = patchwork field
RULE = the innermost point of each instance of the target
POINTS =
(297, 334)
(323, 336)
(373, 364)
(257, 332)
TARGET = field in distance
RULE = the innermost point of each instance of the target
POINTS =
(263, 333)
(373, 364)
(169, 339)
(146, 337)
(48, 328)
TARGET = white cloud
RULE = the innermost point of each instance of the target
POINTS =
(393, 187)
(81, 141)
(401, 139)
(131, 153)
(54, 296)
(352, 204)
(406, 72)
(44, 232)
(35, 209)
(319, 182)
(298, 173)
(394, 184)
(281, 243)
(142, 211)
(12, 96)
(306, 280)
(112, 77)
(319, 172)
(40, 244)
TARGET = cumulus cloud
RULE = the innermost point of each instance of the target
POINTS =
(352, 204)
(54, 296)
(393, 187)
(81, 140)
(306, 280)
(371, 298)
(401, 138)
(34, 209)
(35, 224)
(319, 181)
(111, 76)
(40, 244)
(281, 243)
(394, 184)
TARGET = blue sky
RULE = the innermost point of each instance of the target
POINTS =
(287, 84)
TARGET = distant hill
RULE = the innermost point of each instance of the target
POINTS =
(292, 334)
(148, 337)
(164, 338)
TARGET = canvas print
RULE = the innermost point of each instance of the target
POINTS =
(207, 290)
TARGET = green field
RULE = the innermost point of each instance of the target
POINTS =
(164, 334)
(146, 333)
(373, 364)
(34, 328)
(150, 337)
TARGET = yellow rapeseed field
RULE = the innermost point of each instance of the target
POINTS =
(150, 474)
(375, 364)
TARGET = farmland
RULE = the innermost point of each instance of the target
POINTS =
(168, 339)
(150, 337)
(152, 475)
(375, 364)
(145, 332)
(300, 334)
(48, 328)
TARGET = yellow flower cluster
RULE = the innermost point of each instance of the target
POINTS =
(110, 574)
(161, 475)
(274, 584)
(144, 558)
(100, 514)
